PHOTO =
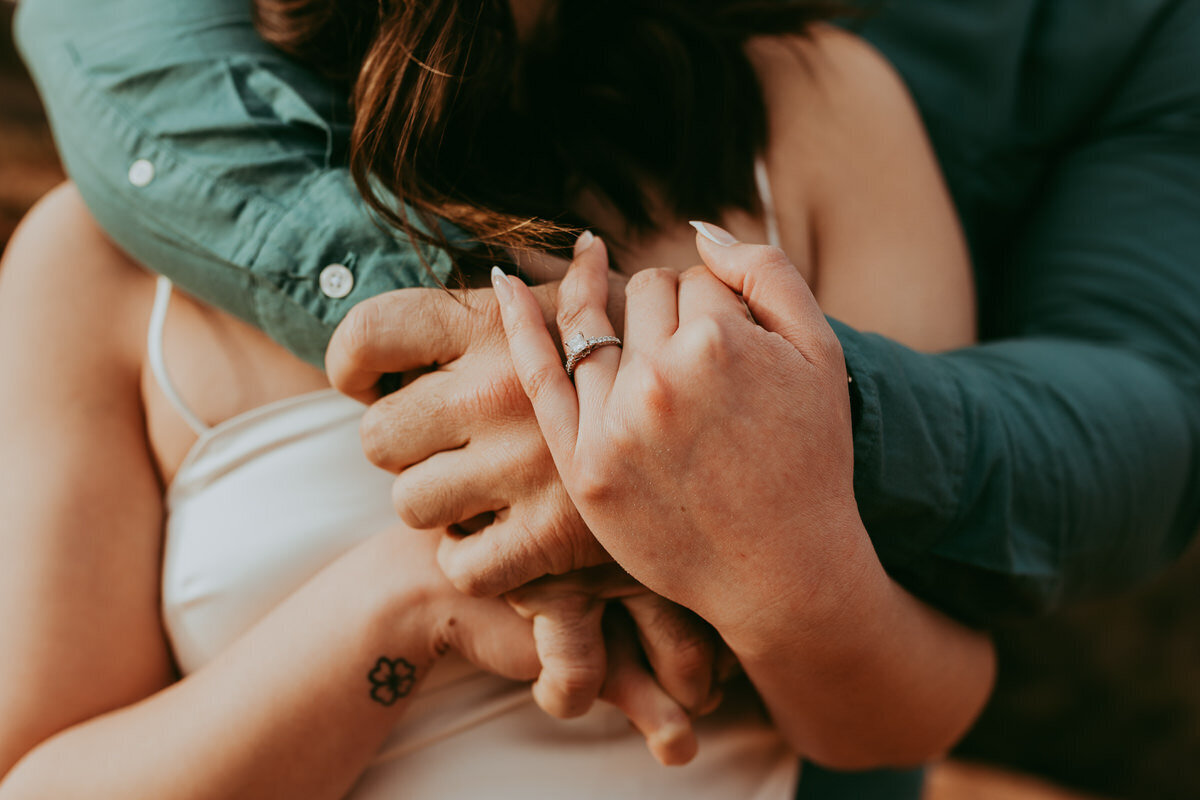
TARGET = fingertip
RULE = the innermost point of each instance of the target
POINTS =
(502, 286)
(713, 233)
(585, 240)
(558, 703)
(591, 254)
(674, 744)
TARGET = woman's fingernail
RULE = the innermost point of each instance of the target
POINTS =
(585, 240)
(501, 285)
(714, 234)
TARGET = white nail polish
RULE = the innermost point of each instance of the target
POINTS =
(501, 285)
(585, 240)
(716, 235)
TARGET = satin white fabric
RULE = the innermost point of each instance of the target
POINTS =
(265, 500)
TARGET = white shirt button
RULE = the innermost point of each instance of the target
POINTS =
(141, 173)
(336, 281)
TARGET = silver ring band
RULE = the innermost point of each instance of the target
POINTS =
(579, 347)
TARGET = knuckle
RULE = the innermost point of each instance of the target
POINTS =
(540, 380)
(454, 560)
(420, 504)
(655, 393)
(572, 320)
(647, 278)
(771, 259)
(500, 396)
(709, 342)
(692, 659)
(829, 350)
(375, 433)
(594, 481)
(545, 546)
(698, 272)
(355, 338)
(767, 266)
(575, 684)
(472, 583)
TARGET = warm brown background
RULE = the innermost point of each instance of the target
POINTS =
(1105, 698)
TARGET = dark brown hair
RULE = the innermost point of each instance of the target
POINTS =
(652, 106)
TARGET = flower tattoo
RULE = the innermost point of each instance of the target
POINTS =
(391, 680)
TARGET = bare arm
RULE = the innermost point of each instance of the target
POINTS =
(87, 678)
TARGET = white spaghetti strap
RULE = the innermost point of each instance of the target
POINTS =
(158, 364)
(768, 202)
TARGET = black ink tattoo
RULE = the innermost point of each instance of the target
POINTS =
(391, 680)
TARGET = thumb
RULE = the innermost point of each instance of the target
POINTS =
(774, 290)
(396, 332)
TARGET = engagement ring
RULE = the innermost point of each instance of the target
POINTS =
(579, 347)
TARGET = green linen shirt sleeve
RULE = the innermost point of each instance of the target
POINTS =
(1060, 458)
(211, 157)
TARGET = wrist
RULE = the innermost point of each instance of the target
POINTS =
(834, 608)
(408, 611)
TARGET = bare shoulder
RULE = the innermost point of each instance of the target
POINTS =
(68, 293)
(833, 93)
(849, 158)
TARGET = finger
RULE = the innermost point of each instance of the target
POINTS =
(680, 647)
(490, 635)
(536, 362)
(583, 314)
(410, 425)
(632, 689)
(570, 645)
(395, 332)
(775, 291)
(702, 294)
(448, 488)
(518, 548)
(651, 309)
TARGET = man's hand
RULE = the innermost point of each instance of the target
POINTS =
(462, 438)
(471, 457)
(597, 630)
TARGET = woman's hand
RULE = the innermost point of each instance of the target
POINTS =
(712, 456)
(484, 468)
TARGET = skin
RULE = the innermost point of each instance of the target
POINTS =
(82, 628)
(87, 670)
(784, 572)
(840, 120)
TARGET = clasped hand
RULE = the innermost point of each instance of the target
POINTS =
(699, 381)
(469, 457)
(712, 455)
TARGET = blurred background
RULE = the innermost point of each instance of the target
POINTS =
(1102, 701)
(28, 165)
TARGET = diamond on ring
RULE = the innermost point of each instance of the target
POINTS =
(579, 347)
(575, 344)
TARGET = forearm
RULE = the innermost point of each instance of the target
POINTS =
(286, 712)
(1008, 478)
(859, 674)
(1058, 460)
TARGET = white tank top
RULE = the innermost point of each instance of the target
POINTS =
(265, 500)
